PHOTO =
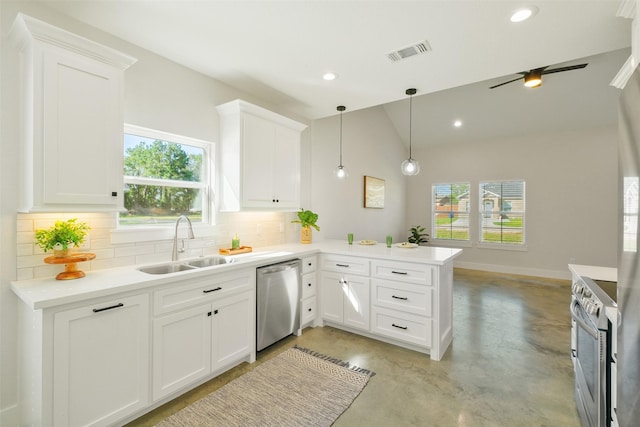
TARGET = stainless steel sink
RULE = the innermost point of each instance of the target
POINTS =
(209, 261)
(175, 267)
(166, 268)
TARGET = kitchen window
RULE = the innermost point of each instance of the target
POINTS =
(165, 176)
(502, 213)
(450, 211)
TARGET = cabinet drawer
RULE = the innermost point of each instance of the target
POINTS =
(308, 285)
(189, 293)
(404, 271)
(309, 264)
(408, 297)
(345, 264)
(401, 326)
(308, 310)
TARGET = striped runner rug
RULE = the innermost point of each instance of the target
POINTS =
(299, 387)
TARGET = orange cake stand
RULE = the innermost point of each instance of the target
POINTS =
(71, 268)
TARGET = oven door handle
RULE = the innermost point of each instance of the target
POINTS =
(590, 330)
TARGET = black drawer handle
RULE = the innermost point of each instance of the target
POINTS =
(309, 284)
(343, 265)
(309, 310)
(98, 310)
(399, 327)
(399, 272)
(402, 298)
(206, 291)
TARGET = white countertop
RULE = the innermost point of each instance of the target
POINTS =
(594, 272)
(46, 293)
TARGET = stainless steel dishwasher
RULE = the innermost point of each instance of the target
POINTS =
(277, 302)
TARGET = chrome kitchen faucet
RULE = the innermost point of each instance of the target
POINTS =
(174, 254)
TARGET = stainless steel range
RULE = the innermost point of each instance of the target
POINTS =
(593, 338)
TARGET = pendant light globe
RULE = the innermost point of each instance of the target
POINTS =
(340, 172)
(410, 166)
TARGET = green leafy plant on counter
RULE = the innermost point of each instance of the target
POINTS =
(307, 218)
(418, 235)
(62, 235)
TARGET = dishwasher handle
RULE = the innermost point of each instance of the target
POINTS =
(278, 268)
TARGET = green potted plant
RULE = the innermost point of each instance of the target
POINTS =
(418, 235)
(62, 236)
(306, 219)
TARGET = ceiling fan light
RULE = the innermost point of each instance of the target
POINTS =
(533, 79)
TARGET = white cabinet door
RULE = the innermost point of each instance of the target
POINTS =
(82, 132)
(181, 349)
(332, 290)
(233, 326)
(286, 178)
(101, 362)
(345, 299)
(356, 302)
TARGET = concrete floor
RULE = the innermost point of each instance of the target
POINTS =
(508, 364)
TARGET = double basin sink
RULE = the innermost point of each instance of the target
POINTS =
(174, 267)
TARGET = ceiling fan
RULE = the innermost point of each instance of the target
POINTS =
(533, 78)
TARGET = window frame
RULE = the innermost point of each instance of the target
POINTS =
(453, 242)
(481, 217)
(205, 184)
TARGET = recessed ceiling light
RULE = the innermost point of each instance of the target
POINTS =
(330, 76)
(523, 14)
(457, 123)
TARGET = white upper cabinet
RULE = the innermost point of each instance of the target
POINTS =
(71, 147)
(260, 159)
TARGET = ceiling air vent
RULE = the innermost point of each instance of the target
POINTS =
(406, 52)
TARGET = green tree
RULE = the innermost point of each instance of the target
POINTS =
(160, 160)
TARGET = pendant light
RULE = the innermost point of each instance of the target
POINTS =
(410, 166)
(340, 171)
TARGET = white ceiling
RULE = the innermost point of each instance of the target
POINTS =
(279, 50)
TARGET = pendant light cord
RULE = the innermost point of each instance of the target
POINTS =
(410, 121)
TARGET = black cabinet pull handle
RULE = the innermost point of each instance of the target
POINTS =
(206, 291)
(309, 284)
(98, 310)
(399, 327)
(309, 310)
(399, 272)
(114, 194)
(342, 265)
(310, 264)
(402, 298)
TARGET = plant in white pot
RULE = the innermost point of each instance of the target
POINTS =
(62, 236)
(306, 219)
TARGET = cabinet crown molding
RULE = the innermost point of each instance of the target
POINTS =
(238, 105)
(26, 29)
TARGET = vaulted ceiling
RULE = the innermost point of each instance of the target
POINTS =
(279, 51)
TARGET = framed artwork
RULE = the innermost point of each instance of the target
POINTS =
(373, 192)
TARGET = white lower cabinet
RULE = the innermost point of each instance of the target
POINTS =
(308, 300)
(403, 303)
(208, 326)
(345, 300)
(100, 370)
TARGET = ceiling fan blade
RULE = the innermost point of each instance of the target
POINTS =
(502, 84)
(561, 69)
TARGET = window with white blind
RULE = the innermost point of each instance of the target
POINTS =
(502, 212)
(450, 211)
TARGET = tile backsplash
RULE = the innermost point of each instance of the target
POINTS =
(255, 229)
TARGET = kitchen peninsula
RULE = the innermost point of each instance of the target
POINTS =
(89, 339)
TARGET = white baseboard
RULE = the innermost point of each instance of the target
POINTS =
(538, 272)
(9, 416)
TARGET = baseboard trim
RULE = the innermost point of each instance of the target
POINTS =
(538, 272)
(9, 416)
